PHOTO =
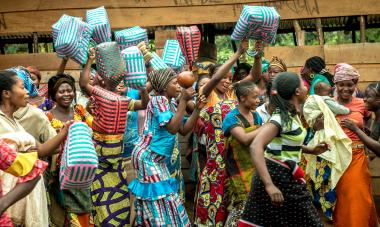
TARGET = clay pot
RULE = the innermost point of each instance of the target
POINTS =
(186, 79)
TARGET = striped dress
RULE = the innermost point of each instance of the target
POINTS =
(282, 156)
(158, 202)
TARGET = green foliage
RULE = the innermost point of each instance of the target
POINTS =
(16, 48)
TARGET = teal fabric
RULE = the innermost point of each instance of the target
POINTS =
(153, 191)
(317, 78)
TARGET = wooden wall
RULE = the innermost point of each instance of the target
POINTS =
(20, 16)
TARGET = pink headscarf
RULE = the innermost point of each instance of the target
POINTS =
(344, 72)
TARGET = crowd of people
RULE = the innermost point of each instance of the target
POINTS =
(268, 147)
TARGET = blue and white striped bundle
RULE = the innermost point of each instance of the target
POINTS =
(131, 37)
(173, 55)
(98, 19)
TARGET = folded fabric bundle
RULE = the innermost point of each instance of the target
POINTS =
(73, 40)
(189, 39)
(173, 56)
(135, 65)
(109, 62)
(131, 37)
(79, 159)
(257, 22)
(157, 62)
(98, 19)
(57, 27)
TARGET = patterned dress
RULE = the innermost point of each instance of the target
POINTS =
(239, 166)
(158, 202)
(211, 208)
(76, 202)
(282, 156)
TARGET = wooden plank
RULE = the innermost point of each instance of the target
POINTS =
(160, 37)
(45, 75)
(41, 21)
(354, 53)
(33, 5)
(43, 61)
(294, 56)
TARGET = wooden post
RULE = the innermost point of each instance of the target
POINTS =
(35, 42)
(300, 34)
(362, 29)
(318, 24)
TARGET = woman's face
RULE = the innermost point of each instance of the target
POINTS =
(64, 95)
(371, 99)
(35, 79)
(273, 72)
(18, 94)
(173, 89)
(251, 100)
(224, 85)
(202, 83)
(302, 92)
(345, 89)
(305, 73)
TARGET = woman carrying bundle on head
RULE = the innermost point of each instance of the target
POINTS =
(240, 128)
(278, 196)
(157, 200)
(109, 191)
(69, 206)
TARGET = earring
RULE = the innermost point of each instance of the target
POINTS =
(312, 76)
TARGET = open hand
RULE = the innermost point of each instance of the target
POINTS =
(275, 194)
(259, 47)
(201, 102)
(350, 124)
(243, 46)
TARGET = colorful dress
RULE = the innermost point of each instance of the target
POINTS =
(354, 203)
(76, 202)
(282, 156)
(239, 166)
(157, 193)
(211, 207)
(109, 190)
(25, 166)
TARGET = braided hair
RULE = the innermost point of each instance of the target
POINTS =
(318, 65)
(281, 91)
(243, 88)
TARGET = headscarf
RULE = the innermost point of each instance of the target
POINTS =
(24, 74)
(278, 62)
(56, 81)
(344, 72)
(34, 70)
(161, 78)
(265, 65)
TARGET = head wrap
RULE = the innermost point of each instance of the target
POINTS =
(34, 70)
(202, 67)
(344, 72)
(161, 78)
(24, 74)
(278, 62)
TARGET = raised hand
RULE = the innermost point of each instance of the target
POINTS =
(188, 94)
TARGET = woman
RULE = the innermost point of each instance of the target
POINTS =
(276, 66)
(76, 203)
(278, 196)
(372, 103)
(157, 200)
(354, 205)
(12, 97)
(315, 71)
(240, 128)
(241, 72)
(110, 113)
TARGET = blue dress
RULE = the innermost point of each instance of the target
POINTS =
(131, 135)
(157, 199)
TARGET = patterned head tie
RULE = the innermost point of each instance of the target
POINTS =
(344, 72)
(161, 78)
(278, 62)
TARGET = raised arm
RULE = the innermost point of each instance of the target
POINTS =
(141, 104)
(62, 66)
(190, 123)
(84, 79)
(174, 124)
(223, 70)
(256, 71)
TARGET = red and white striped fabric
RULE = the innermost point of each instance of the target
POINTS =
(189, 39)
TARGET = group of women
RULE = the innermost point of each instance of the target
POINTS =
(248, 138)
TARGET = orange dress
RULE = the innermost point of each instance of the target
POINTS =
(355, 205)
(213, 98)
